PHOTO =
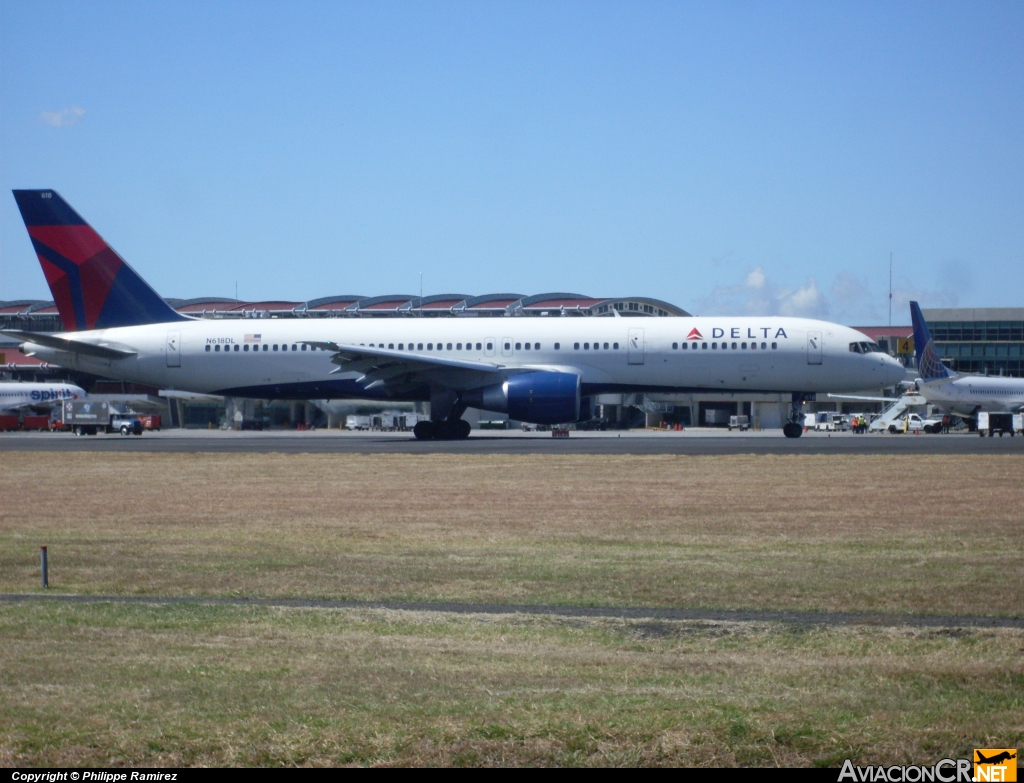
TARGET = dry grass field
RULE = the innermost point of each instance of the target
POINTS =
(187, 684)
(928, 534)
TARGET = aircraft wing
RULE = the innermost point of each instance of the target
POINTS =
(867, 399)
(71, 346)
(382, 366)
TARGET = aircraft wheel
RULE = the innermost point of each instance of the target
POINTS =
(424, 430)
(792, 430)
(462, 429)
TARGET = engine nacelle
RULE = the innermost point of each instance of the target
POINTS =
(534, 397)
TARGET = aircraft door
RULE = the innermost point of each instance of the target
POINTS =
(635, 346)
(489, 346)
(814, 347)
(173, 351)
(506, 346)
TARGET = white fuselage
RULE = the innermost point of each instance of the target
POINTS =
(15, 395)
(967, 394)
(269, 358)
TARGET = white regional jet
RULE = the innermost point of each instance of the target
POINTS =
(534, 369)
(15, 395)
(964, 395)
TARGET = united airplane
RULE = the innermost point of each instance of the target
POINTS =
(964, 395)
(16, 395)
(537, 370)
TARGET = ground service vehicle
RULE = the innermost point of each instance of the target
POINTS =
(913, 422)
(90, 418)
(741, 423)
(991, 423)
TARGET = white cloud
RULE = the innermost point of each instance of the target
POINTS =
(757, 295)
(63, 117)
(850, 299)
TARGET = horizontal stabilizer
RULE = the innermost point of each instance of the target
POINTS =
(71, 346)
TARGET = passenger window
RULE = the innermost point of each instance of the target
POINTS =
(586, 346)
(490, 346)
(275, 346)
(246, 348)
(449, 346)
(216, 347)
(764, 346)
(391, 346)
(419, 346)
(508, 346)
(458, 346)
(714, 346)
(558, 346)
(575, 346)
(703, 346)
(774, 346)
(266, 347)
(685, 347)
(430, 346)
(294, 347)
(606, 346)
(536, 346)
(478, 346)
(401, 346)
(675, 346)
(734, 346)
(207, 348)
(303, 347)
(615, 346)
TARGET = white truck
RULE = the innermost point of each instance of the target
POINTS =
(357, 422)
(828, 421)
(914, 422)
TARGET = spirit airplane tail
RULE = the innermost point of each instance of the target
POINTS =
(93, 287)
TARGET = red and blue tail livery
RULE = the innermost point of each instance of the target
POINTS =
(92, 286)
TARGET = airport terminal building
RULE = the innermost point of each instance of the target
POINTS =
(989, 340)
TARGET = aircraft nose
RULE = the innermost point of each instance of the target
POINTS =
(894, 371)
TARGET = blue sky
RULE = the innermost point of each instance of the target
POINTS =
(728, 157)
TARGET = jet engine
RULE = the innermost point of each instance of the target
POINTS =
(535, 397)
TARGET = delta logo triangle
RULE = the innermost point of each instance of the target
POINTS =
(695, 334)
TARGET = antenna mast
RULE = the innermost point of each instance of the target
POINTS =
(890, 289)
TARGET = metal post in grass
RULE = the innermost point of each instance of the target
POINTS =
(43, 563)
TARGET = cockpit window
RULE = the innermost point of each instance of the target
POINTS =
(864, 348)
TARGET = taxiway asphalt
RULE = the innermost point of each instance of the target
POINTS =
(690, 442)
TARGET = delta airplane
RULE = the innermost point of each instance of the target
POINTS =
(15, 395)
(964, 395)
(536, 370)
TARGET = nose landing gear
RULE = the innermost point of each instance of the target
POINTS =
(794, 428)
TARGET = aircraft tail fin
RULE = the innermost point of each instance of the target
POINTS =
(93, 287)
(928, 362)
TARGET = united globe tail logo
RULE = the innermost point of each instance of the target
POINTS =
(995, 764)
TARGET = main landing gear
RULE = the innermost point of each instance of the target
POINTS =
(442, 430)
(794, 428)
